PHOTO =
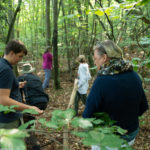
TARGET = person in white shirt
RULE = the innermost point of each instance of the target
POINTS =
(83, 77)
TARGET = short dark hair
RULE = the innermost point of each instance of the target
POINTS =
(16, 46)
(47, 49)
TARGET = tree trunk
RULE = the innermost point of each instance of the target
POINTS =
(10, 17)
(55, 48)
(13, 21)
(48, 23)
(66, 43)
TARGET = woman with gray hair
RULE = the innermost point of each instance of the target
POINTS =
(117, 91)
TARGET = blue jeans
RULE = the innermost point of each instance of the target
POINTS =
(129, 137)
(47, 78)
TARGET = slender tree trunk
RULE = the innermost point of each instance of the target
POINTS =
(10, 17)
(55, 48)
(48, 23)
(13, 21)
(66, 43)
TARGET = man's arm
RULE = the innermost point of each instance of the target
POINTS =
(7, 101)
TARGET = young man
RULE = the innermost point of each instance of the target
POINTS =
(9, 86)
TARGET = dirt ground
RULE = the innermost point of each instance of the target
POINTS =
(59, 99)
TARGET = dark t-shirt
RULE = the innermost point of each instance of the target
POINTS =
(33, 90)
(9, 81)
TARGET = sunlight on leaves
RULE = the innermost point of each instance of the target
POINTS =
(13, 139)
(99, 12)
(81, 122)
(109, 10)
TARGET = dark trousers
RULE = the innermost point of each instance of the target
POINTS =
(79, 97)
(32, 141)
(41, 105)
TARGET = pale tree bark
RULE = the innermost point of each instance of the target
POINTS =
(55, 47)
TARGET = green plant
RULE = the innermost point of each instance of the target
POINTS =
(92, 131)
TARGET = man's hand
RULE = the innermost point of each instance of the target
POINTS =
(40, 112)
(22, 84)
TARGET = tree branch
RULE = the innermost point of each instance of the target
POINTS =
(109, 21)
(13, 21)
(102, 24)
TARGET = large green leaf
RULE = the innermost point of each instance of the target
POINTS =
(93, 138)
(30, 111)
(50, 124)
(12, 143)
(13, 139)
(81, 122)
(112, 141)
(25, 125)
(80, 134)
(7, 109)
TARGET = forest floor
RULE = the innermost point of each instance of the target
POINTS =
(59, 99)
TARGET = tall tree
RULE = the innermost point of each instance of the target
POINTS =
(13, 21)
(66, 42)
(55, 47)
(10, 17)
(48, 34)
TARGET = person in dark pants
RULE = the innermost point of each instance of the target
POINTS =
(117, 91)
(34, 95)
(83, 78)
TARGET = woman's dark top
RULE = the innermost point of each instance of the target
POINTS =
(121, 96)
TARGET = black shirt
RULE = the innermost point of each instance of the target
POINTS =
(9, 81)
(33, 90)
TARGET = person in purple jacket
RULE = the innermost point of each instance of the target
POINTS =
(47, 66)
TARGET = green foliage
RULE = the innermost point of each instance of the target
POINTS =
(102, 134)
(136, 63)
(48, 124)
(7, 109)
(12, 139)
(30, 111)
(105, 118)
(25, 125)
(145, 40)
(81, 122)
(139, 63)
